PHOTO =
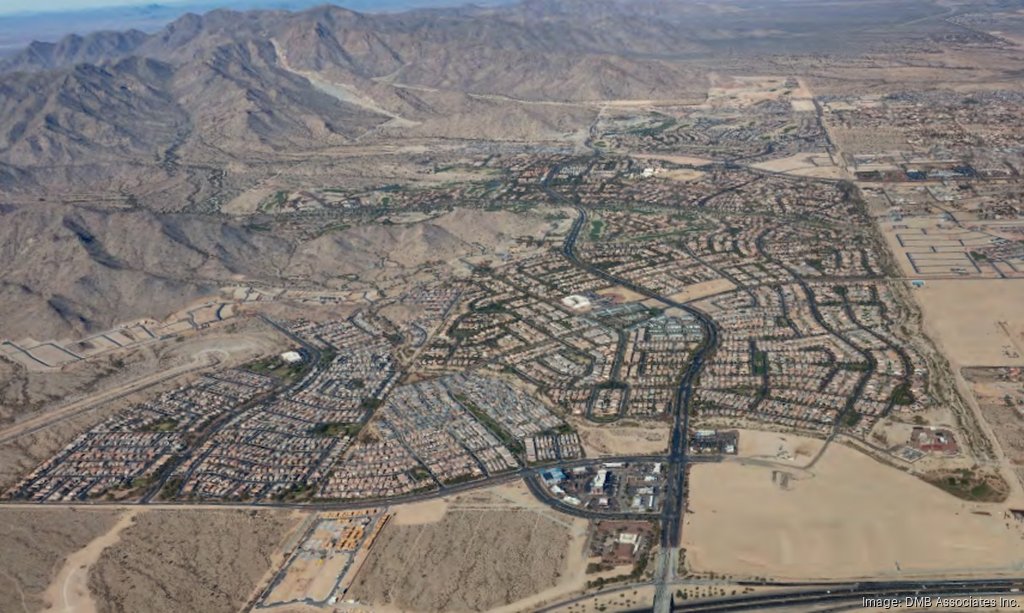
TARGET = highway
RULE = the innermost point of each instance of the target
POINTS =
(852, 595)
(343, 505)
(675, 493)
(822, 596)
(676, 464)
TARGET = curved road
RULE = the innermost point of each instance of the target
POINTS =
(675, 504)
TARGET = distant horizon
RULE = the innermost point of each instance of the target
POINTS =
(19, 27)
(27, 8)
(31, 8)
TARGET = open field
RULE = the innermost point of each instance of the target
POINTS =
(35, 543)
(849, 517)
(70, 590)
(777, 447)
(620, 294)
(703, 290)
(1000, 397)
(746, 90)
(812, 164)
(488, 550)
(623, 438)
(986, 330)
(188, 560)
(687, 160)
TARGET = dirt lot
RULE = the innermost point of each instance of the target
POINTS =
(702, 290)
(778, 447)
(188, 560)
(1000, 396)
(985, 330)
(485, 550)
(848, 517)
(35, 542)
(623, 438)
(805, 164)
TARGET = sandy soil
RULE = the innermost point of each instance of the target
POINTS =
(684, 175)
(628, 598)
(703, 290)
(813, 164)
(486, 550)
(675, 159)
(311, 578)
(986, 330)
(248, 201)
(36, 540)
(620, 294)
(781, 448)
(1001, 402)
(730, 90)
(419, 513)
(849, 517)
(188, 560)
(70, 590)
(623, 439)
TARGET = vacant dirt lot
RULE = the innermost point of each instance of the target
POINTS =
(849, 517)
(188, 560)
(976, 322)
(1000, 396)
(487, 550)
(702, 290)
(623, 438)
(35, 542)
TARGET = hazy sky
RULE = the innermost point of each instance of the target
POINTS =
(21, 6)
(9, 7)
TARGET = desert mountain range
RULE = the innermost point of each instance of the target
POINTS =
(119, 150)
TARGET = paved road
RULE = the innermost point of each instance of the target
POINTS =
(199, 361)
(854, 594)
(674, 504)
(796, 596)
(343, 505)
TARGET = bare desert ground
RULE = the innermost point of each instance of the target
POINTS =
(848, 517)
(69, 591)
(812, 164)
(777, 447)
(188, 560)
(999, 393)
(36, 541)
(976, 322)
(623, 438)
(481, 551)
(703, 290)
